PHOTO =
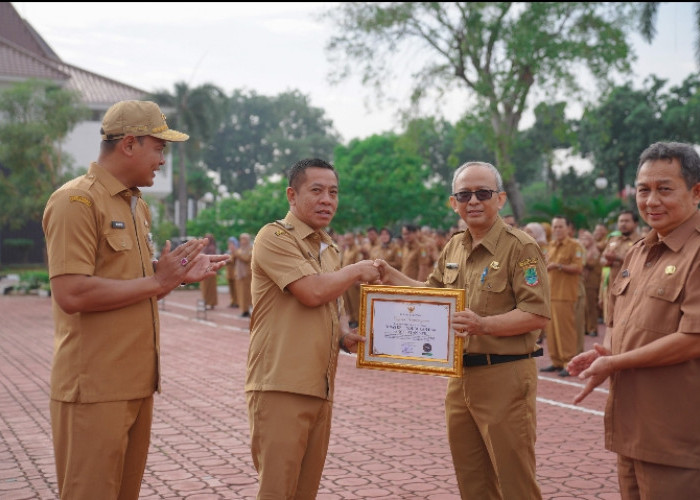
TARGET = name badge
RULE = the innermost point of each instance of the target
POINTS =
(116, 224)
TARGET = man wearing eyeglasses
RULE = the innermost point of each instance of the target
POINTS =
(490, 411)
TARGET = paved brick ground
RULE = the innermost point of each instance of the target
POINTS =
(388, 439)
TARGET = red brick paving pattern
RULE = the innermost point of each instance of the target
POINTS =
(387, 442)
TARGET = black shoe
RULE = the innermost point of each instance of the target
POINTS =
(593, 334)
(550, 368)
(564, 373)
(245, 314)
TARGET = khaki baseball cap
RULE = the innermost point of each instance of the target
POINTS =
(137, 118)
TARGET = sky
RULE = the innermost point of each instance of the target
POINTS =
(271, 48)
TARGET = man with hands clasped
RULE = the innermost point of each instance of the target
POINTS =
(105, 285)
(490, 411)
(651, 351)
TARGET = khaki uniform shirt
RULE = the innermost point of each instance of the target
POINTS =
(293, 348)
(506, 271)
(388, 252)
(95, 226)
(352, 255)
(243, 258)
(621, 245)
(653, 413)
(410, 259)
(564, 286)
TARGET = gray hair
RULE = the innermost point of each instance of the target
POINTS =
(494, 170)
(686, 155)
(537, 230)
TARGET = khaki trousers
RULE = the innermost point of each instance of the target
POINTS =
(289, 436)
(562, 336)
(649, 481)
(243, 293)
(491, 427)
(101, 448)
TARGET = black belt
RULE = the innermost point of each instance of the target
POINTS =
(494, 359)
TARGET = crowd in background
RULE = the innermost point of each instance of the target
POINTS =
(581, 288)
(415, 250)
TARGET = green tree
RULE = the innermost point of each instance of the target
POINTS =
(620, 127)
(35, 117)
(498, 51)
(263, 136)
(197, 112)
(382, 184)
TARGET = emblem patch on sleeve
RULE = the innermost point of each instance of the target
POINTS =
(531, 278)
(81, 199)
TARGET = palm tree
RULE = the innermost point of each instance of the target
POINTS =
(647, 21)
(197, 112)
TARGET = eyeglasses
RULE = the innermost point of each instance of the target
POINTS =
(481, 195)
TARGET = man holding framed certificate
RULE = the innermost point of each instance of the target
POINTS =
(297, 327)
(490, 410)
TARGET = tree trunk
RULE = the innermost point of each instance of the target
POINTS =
(182, 191)
(515, 198)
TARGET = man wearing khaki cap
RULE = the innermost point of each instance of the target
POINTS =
(105, 285)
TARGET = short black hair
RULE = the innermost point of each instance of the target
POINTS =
(634, 215)
(297, 174)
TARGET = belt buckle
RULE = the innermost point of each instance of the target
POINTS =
(488, 359)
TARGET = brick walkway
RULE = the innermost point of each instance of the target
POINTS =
(388, 439)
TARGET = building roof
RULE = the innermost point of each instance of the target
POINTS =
(24, 55)
(17, 63)
(21, 33)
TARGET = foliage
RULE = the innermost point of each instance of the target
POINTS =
(245, 213)
(262, 136)
(198, 112)
(37, 116)
(383, 183)
(583, 211)
(498, 51)
(626, 121)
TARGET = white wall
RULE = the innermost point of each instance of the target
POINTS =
(83, 144)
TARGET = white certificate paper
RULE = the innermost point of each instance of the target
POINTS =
(413, 329)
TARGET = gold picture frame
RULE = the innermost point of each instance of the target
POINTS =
(409, 329)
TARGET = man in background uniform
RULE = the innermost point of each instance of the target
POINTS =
(615, 250)
(564, 267)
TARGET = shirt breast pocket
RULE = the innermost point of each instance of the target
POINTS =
(119, 242)
(492, 297)
(449, 277)
(662, 309)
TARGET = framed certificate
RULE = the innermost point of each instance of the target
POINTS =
(409, 329)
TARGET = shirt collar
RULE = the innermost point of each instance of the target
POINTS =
(489, 241)
(111, 183)
(677, 238)
(304, 230)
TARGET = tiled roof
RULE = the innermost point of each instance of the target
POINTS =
(17, 63)
(21, 33)
(24, 54)
(98, 90)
